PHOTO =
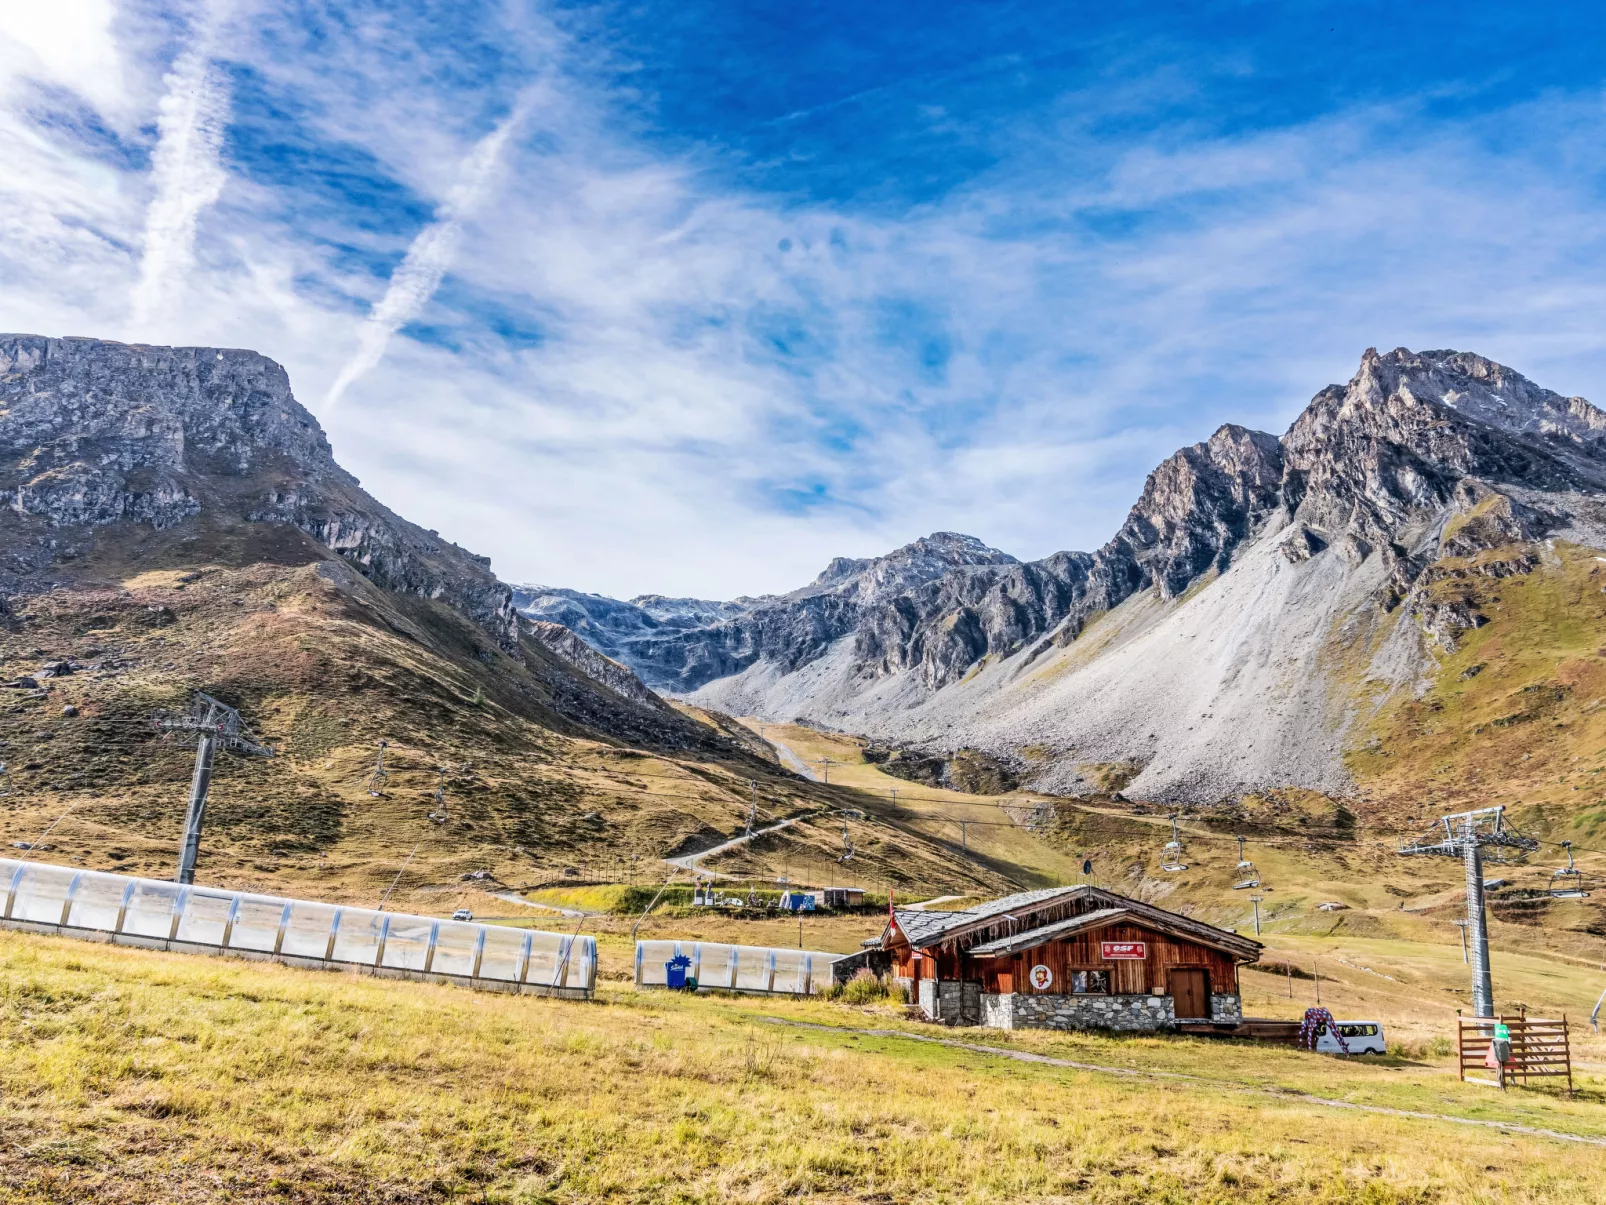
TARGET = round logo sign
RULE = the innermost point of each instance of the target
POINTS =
(1041, 977)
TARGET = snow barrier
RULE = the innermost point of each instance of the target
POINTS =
(155, 914)
(761, 969)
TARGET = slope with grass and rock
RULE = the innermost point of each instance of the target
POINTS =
(1266, 605)
(175, 521)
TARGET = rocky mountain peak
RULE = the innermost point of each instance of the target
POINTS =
(1391, 448)
(95, 433)
(872, 579)
(1487, 392)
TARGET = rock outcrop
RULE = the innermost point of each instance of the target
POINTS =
(95, 433)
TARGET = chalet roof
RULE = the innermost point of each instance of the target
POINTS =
(919, 926)
(1065, 928)
(926, 929)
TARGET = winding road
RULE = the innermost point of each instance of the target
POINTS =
(688, 862)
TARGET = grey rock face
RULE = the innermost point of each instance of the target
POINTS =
(571, 648)
(680, 644)
(94, 433)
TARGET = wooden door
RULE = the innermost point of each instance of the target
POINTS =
(1190, 992)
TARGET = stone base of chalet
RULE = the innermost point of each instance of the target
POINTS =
(1126, 1014)
(1120, 1014)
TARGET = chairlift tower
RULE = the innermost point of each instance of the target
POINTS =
(1466, 835)
(216, 725)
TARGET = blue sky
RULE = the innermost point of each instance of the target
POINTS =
(691, 297)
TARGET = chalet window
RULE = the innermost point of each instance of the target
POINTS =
(1090, 983)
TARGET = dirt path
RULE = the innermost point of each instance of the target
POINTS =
(1284, 1094)
(791, 760)
(689, 862)
(924, 904)
(510, 898)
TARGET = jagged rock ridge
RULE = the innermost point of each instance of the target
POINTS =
(681, 644)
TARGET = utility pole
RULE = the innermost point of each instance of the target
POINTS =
(1255, 900)
(216, 725)
(1466, 836)
(752, 808)
(894, 801)
(1462, 925)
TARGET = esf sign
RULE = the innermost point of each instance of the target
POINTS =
(1124, 949)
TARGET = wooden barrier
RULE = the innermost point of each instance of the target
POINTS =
(1538, 1048)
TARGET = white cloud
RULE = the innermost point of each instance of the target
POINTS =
(622, 382)
(430, 256)
(65, 42)
(187, 174)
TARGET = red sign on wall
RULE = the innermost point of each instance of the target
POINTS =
(1124, 949)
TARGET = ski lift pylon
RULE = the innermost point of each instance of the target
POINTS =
(1567, 883)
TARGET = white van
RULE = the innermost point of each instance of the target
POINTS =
(1362, 1037)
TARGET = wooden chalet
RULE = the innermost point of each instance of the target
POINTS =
(1068, 958)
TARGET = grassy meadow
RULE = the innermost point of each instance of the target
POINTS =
(131, 1076)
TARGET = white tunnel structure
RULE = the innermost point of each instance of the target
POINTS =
(761, 969)
(155, 914)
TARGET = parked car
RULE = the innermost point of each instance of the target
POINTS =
(1361, 1037)
(462, 914)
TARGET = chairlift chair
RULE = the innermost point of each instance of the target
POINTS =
(440, 815)
(377, 779)
(1567, 883)
(1243, 862)
(1250, 881)
(1171, 854)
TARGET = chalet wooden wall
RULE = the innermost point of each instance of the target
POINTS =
(1079, 953)
(1128, 976)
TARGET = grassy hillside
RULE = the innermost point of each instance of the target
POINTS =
(132, 1076)
(1513, 715)
(544, 775)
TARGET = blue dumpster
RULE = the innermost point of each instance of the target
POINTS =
(675, 970)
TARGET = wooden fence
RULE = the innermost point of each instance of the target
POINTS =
(1538, 1048)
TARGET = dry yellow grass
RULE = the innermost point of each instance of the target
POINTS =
(132, 1076)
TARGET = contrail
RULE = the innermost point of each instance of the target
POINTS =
(187, 169)
(429, 257)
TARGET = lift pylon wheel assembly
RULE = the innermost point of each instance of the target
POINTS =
(1567, 883)
(1171, 855)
